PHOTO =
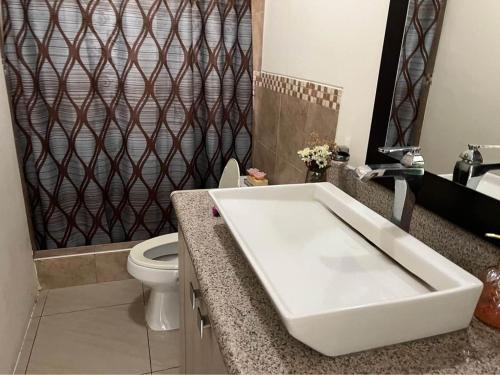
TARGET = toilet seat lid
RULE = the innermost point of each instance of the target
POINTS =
(146, 253)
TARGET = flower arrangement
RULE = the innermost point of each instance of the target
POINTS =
(317, 156)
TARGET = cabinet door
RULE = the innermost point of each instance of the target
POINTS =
(202, 354)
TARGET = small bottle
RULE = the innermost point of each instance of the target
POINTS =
(488, 308)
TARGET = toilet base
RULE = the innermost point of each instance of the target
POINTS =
(162, 310)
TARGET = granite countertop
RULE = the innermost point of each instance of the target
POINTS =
(252, 338)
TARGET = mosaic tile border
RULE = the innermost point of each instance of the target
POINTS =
(327, 96)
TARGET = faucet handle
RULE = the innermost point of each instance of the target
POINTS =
(473, 155)
(404, 149)
(411, 157)
(474, 147)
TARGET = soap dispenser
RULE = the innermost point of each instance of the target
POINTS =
(488, 307)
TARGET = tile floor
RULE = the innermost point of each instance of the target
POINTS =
(97, 328)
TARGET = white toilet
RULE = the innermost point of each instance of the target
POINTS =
(155, 263)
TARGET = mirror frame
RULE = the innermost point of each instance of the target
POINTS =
(473, 211)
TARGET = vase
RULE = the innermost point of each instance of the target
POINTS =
(488, 307)
(316, 175)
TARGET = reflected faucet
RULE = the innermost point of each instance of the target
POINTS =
(408, 175)
(470, 169)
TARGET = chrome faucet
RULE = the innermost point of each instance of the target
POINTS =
(470, 169)
(408, 175)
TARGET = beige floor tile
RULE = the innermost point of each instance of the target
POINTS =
(24, 356)
(107, 340)
(175, 370)
(165, 349)
(40, 303)
(91, 296)
(163, 346)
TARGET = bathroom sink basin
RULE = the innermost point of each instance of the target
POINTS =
(489, 184)
(343, 278)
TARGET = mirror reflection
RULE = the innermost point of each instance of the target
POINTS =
(447, 98)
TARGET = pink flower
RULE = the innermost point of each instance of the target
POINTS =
(259, 175)
(252, 171)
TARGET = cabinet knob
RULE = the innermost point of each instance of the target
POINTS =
(195, 294)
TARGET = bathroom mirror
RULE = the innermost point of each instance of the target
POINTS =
(438, 89)
(447, 96)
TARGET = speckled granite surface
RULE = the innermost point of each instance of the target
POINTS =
(252, 338)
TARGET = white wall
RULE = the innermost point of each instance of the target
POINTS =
(17, 281)
(464, 99)
(336, 42)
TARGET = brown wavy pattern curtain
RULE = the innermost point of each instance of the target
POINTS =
(119, 102)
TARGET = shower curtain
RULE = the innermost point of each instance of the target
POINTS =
(418, 43)
(117, 103)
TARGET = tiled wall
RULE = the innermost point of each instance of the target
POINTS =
(258, 7)
(83, 265)
(287, 111)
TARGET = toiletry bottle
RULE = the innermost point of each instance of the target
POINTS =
(488, 308)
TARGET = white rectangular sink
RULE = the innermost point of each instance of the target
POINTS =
(343, 278)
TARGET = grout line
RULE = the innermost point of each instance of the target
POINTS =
(95, 269)
(27, 328)
(23, 345)
(45, 302)
(82, 254)
(33, 343)
(88, 308)
(147, 331)
(149, 349)
(165, 369)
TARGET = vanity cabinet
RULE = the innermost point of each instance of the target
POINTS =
(200, 353)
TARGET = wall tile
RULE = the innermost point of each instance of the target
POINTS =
(66, 271)
(84, 249)
(317, 93)
(291, 134)
(112, 266)
(267, 111)
(39, 254)
(258, 6)
(257, 38)
(287, 173)
(322, 121)
(116, 246)
(283, 125)
(264, 159)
